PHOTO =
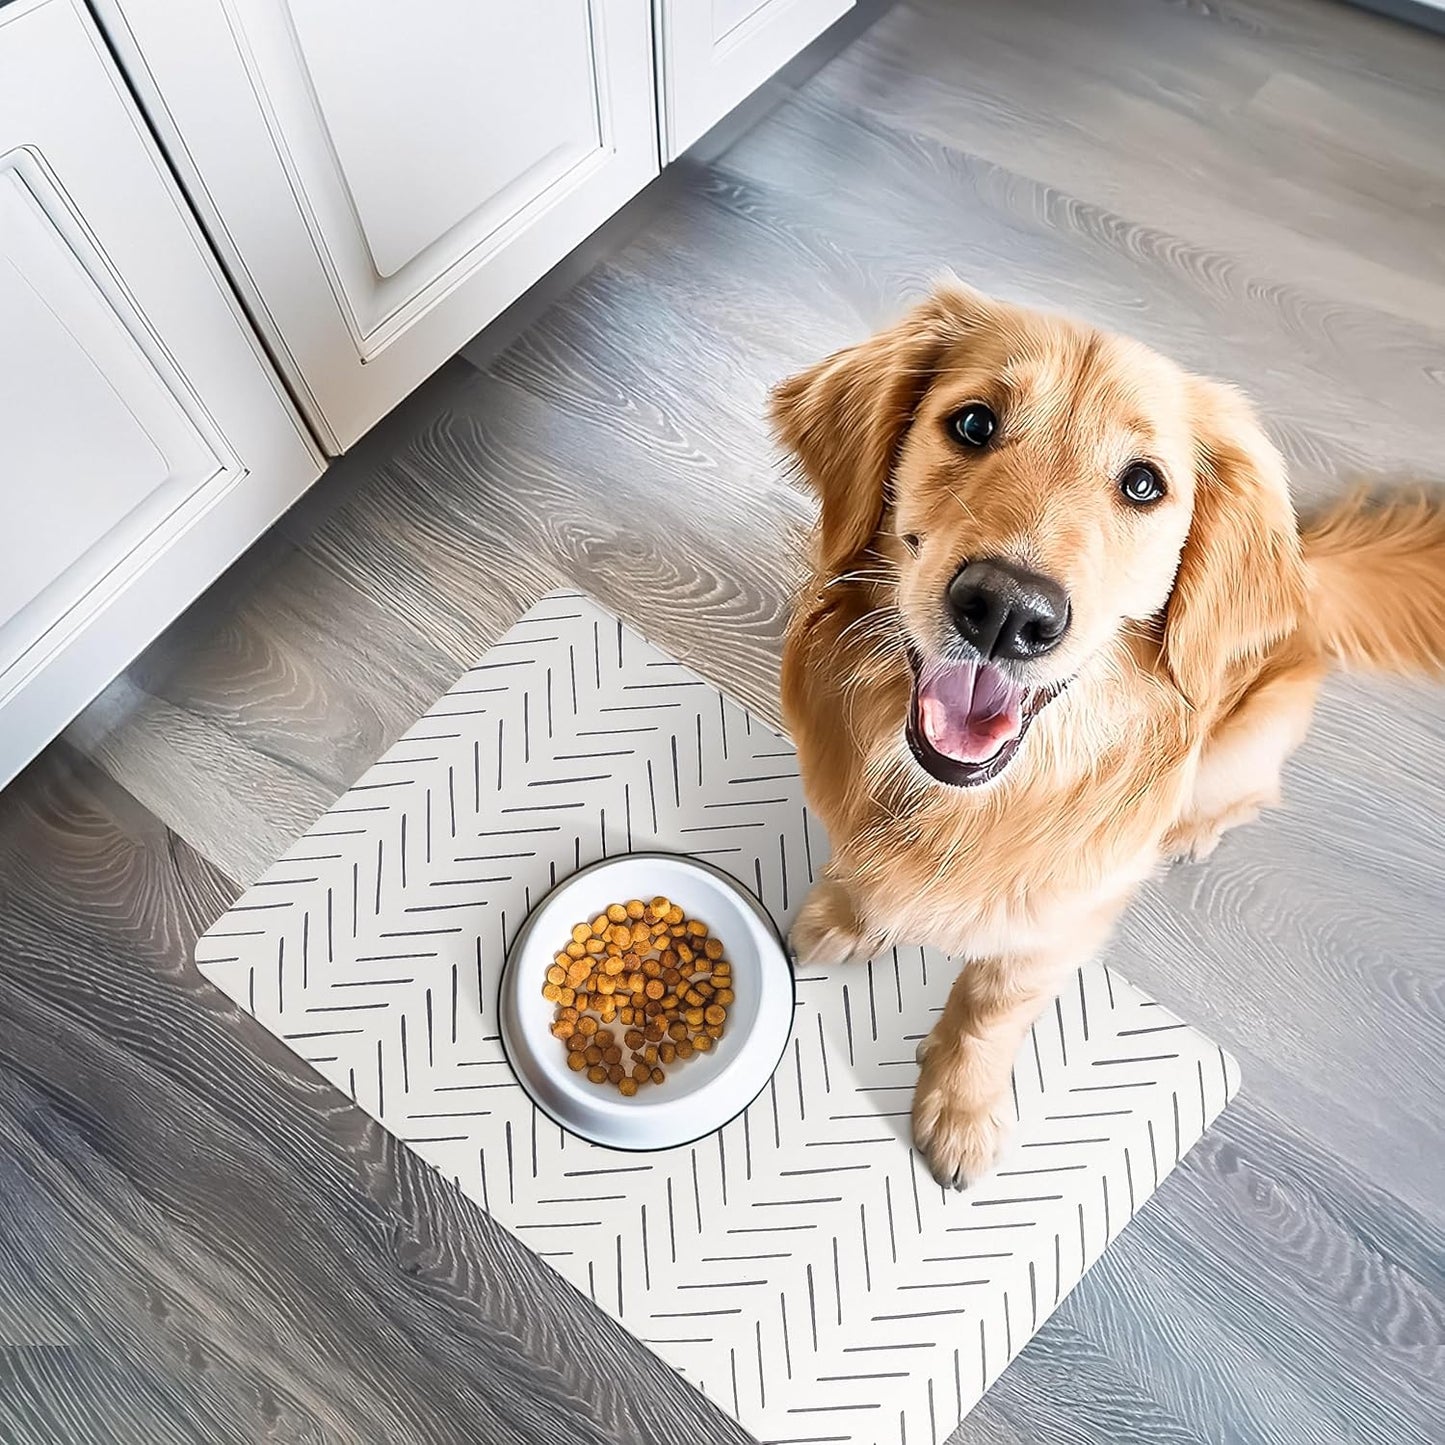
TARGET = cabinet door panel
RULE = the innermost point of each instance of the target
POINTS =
(95, 448)
(715, 53)
(384, 180)
(489, 149)
(144, 441)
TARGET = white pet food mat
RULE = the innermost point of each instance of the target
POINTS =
(799, 1266)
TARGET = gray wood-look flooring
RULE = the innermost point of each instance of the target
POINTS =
(201, 1242)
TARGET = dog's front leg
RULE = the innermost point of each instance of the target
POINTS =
(958, 1125)
(829, 927)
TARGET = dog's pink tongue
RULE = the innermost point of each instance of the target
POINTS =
(968, 710)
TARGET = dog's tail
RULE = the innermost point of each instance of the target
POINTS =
(1379, 570)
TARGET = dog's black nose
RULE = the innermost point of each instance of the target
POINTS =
(1006, 611)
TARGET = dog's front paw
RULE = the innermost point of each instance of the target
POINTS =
(826, 930)
(959, 1137)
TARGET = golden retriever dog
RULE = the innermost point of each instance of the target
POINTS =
(1060, 623)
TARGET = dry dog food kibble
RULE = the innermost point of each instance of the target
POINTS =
(644, 972)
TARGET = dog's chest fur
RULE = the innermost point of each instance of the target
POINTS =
(1064, 837)
(1008, 874)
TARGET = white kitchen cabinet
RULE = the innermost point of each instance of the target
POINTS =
(383, 179)
(714, 53)
(144, 439)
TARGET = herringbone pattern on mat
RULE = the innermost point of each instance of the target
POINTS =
(799, 1266)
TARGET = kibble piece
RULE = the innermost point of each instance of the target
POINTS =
(581, 933)
(617, 912)
(696, 929)
(694, 1016)
(615, 1072)
(677, 1030)
(594, 946)
(655, 988)
(576, 1063)
(634, 908)
(649, 1054)
(641, 1073)
(685, 953)
(612, 1054)
(661, 906)
(633, 1038)
(674, 916)
(667, 1052)
(574, 949)
(551, 993)
(685, 1049)
(587, 1025)
(702, 1043)
(627, 1085)
(562, 1029)
(658, 1076)
(713, 948)
(605, 1037)
(653, 1032)
(715, 1013)
(593, 1054)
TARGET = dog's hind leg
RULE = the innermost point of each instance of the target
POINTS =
(1239, 768)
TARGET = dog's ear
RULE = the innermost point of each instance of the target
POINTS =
(1241, 584)
(845, 418)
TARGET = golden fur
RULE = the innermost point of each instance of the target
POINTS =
(1201, 628)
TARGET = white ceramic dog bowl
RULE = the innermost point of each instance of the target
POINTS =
(704, 1092)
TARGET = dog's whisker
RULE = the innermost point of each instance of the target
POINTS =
(963, 506)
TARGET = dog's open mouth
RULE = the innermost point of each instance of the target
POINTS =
(967, 719)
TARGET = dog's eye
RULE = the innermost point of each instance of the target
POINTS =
(974, 425)
(910, 540)
(1141, 484)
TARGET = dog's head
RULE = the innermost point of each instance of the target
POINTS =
(1032, 492)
